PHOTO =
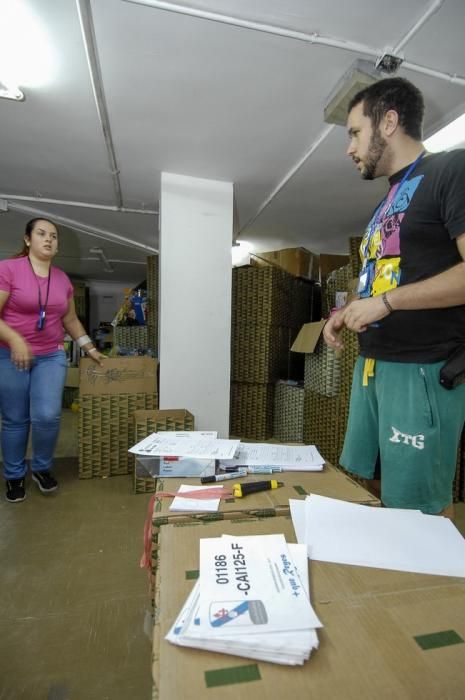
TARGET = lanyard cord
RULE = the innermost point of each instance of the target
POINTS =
(42, 308)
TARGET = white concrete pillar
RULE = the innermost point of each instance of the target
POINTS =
(196, 219)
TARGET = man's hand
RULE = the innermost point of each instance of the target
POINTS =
(361, 313)
(332, 330)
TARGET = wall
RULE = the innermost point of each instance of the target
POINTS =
(195, 298)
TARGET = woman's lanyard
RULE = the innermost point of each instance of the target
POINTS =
(388, 202)
(42, 307)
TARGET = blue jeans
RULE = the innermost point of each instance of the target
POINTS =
(30, 398)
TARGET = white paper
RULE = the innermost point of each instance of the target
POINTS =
(202, 504)
(290, 457)
(285, 647)
(250, 585)
(298, 515)
(385, 538)
(168, 445)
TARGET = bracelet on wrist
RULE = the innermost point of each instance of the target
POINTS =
(83, 340)
(91, 350)
(386, 302)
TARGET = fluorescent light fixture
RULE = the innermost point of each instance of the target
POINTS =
(26, 55)
(241, 252)
(11, 92)
(451, 135)
(107, 266)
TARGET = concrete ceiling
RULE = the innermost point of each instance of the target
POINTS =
(197, 96)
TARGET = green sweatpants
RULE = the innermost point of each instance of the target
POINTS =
(414, 424)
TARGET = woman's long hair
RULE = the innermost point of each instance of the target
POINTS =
(24, 252)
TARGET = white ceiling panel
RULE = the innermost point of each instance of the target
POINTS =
(197, 97)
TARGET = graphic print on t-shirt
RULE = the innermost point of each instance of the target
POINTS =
(380, 247)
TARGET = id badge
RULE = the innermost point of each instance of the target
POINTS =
(41, 321)
(365, 281)
(362, 282)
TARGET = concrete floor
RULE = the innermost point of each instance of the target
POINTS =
(73, 597)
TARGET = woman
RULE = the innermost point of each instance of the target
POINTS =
(36, 304)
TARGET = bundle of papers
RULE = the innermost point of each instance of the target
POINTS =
(172, 444)
(232, 453)
(289, 457)
(251, 599)
(383, 538)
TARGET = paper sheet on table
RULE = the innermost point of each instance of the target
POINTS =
(298, 511)
(290, 648)
(290, 457)
(168, 445)
(385, 538)
(256, 577)
(180, 503)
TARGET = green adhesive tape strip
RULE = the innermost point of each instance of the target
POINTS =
(301, 491)
(230, 676)
(192, 575)
(438, 639)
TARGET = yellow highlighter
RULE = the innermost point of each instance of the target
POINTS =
(240, 490)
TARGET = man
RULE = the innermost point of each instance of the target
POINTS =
(410, 310)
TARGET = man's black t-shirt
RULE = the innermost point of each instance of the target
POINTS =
(411, 238)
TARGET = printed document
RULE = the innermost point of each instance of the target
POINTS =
(167, 444)
(251, 599)
(290, 457)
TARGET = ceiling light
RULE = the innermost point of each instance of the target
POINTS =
(241, 253)
(107, 266)
(11, 92)
(448, 137)
(360, 75)
(26, 54)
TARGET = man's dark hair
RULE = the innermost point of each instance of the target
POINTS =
(397, 94)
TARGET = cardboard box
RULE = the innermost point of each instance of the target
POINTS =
(174, 467)
(375, 623)
(329, 262)
(322, 372)
(119, 375)
(266, 504)
(330, 482)
(147, 422)
(296, 261)
(72, 377)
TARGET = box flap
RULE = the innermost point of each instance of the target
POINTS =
(308, 337)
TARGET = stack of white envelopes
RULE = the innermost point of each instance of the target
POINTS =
(251, 599)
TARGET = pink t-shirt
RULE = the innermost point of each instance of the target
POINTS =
(21, 309)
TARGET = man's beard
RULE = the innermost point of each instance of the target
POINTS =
(376, 149)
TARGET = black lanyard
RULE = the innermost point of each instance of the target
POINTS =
(42, 307)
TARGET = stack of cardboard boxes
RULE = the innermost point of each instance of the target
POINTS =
(131, 337)
(109, 395)
(145, 423)
(152, 303)
(265, 320)
(288, 415)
